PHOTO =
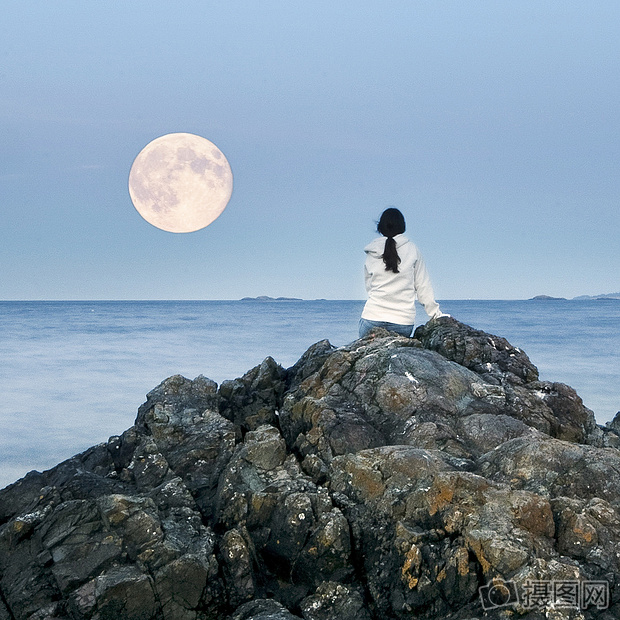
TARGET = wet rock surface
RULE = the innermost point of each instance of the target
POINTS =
(391, 478)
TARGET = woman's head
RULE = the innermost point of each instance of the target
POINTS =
(391, 223)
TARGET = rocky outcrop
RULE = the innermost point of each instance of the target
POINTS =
(392, 478)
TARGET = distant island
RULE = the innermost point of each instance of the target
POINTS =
(580, 298)
(606, 296)
(267, 298)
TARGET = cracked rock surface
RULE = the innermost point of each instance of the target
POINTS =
(390, 478)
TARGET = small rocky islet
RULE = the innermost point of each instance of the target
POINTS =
(391, 478)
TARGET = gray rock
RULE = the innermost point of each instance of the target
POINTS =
(571, 421)
(554, 468)
(185, 434)
(491, 356)
(298, 536)
(121, 592)
(334, 600)
(263, 609)
(116, 531)
(4, 612)
(309, 363)
(253, 400)
(615, 423)
(389, 391)
(389, 478)
(238, 559)
(180, 394)
(426, 532)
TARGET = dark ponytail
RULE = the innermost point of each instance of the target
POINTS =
(390, 224)
(390, 255)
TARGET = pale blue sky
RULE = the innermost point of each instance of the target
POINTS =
(493, 125)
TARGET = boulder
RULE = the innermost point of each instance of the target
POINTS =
(488, 355)
(389, 478)
(296, 536)
(255, 398)
(334, 600)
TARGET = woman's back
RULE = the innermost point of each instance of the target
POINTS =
(395, 274)
(391, 296)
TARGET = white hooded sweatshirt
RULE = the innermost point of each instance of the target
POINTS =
(391, 296)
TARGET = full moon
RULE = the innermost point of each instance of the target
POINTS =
(180, 182)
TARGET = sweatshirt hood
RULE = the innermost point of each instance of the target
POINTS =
(377, 246)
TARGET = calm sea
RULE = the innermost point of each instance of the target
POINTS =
(74, 373)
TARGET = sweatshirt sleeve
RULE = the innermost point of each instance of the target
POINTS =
(424, 288)
(366, 278)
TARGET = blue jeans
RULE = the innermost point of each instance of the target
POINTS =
(402, 330)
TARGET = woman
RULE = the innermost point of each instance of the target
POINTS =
(395, 274)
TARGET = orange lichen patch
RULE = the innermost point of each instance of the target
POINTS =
(307, 409)
(476, 547)
(453, 521)
(536, 516)
(258, 501)
(333, 370)
(439, 496)
(441, 575)
(412, 582)
(314, 385)
(462, 561)
(20, 526)
(262, 505)
(301, 409)
(368, 481)
(587, 536)
(335, 367)
(411, 567)
(584, 530)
